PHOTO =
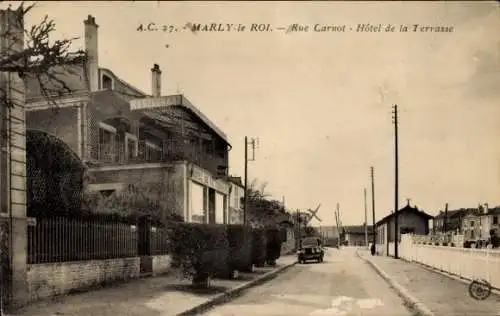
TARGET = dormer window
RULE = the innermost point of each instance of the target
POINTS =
(107, 82)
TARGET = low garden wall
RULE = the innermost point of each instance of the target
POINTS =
(46, 280)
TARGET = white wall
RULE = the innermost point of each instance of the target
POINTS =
(196, 202)
(468, 263)
(219, 208)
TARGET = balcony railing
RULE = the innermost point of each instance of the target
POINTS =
(165, 151)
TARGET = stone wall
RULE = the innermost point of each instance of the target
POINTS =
(48, 280)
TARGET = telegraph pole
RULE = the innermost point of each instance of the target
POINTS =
(373, 211)
(445, 217)
(246, 183)
(396, 186)
(366, 220)
(337, 223)
(245, 205)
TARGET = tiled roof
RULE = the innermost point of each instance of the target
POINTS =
(454, 213)
(72, 76)
(405, 209)
(360, 229)
(163, 102)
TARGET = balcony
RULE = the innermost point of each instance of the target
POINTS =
(144, 151)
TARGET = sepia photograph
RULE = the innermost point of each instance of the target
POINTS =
(223, 158)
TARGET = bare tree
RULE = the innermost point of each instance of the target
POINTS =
(30, 54)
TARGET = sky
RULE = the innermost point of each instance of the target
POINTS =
(320, 103)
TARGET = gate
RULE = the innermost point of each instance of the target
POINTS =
(144, 246)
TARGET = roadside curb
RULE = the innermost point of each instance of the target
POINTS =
(403, 292)
(232, 293)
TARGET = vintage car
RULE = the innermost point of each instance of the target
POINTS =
(310, 249)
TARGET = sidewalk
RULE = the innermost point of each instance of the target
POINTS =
(441, 295)
(155, 296)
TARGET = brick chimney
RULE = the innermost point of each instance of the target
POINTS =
(156, 81)
(92, 52)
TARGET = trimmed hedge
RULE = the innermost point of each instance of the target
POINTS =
(205, 250)
(201, 250)
(240, 239)
(273, 246)
(259, 245)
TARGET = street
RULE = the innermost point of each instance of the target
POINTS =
(342, 285)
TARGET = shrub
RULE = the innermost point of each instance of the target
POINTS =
(136, 200)
(200, 250)
(240, 247)
(259, 242)
(495, 240)
(273, 246)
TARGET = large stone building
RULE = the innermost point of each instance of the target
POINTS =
(126, 136)
(478, 223)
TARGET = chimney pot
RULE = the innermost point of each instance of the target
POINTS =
(90, 21)
(156, 80)
(156, 68)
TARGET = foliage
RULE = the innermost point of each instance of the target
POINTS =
(263, 211)
(273, 246)
(32, 56)
(133, 201)
(198, 248)
(495, 240)
(259, 252)
(240, 239)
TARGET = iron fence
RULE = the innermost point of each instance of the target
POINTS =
(160, 244)
(67, 239)
(62, 239)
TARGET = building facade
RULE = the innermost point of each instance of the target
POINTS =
(410, 220)
(450, 221)
(236, 201)
(478, 224)
(355, 235)
(125, 136)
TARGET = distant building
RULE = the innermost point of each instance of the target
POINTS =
(236, 201)
(355, 235)
(410, 220)
(477, 224)
(450, 221)
(329, 234)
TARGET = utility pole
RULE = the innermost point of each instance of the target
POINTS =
(396, 185)
(337, 221)
(295, 223)
(247, 143)
(338, 229)
(246, 183)
(445, 217)
(373, 211)
(366, 219)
